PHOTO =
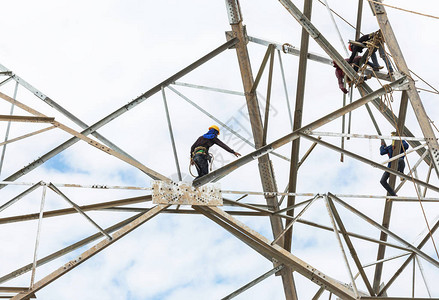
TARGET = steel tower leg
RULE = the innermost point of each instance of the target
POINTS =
(265, 166)
(300, 95)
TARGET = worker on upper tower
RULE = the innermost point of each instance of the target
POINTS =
(357, 48)
(340, 74)
(377, 40)
(390, 150)
(200, 156)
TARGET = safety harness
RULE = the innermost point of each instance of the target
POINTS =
(203, 151)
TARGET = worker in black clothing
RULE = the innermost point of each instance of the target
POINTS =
(200, 156)
(356, 48)
(389, 150)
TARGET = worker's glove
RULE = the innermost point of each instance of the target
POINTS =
(344, 90)
(236, 154)
(383, 143)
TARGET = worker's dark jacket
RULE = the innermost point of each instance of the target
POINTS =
(389, 150)
(202, 141)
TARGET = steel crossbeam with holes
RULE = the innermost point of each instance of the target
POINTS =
(183, 193)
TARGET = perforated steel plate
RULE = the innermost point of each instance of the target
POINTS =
(183, 193)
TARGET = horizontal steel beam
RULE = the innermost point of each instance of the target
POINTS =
(66, 211)
(31, 119)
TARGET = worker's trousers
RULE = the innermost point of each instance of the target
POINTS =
(202, 164)
(386, 175)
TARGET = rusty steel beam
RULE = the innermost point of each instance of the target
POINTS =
(298, 112)
(265, 165)
(30, 119)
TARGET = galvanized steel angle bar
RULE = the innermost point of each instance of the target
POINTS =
(11, 111)
(37, 239)
(268, 53)
(399, 271)
(386, 259)
(298, 114)
(289, 49)
(207, 88)
(280, 211)
(387, 231)
(291, 222)
(253, 282)
(171, 133)
(285, 88)
(355, 235)
(337, 235)
(78, 209)
(21, 195)
(268, 98)
(333, 211)
(421, 269)
(249, 206)
(92, 251)
(27, 135)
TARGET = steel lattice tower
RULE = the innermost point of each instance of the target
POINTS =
(282, 209)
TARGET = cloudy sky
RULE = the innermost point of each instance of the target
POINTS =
(93, 57)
